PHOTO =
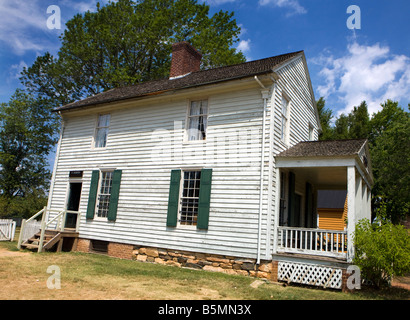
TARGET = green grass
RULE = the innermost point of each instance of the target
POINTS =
(93, 276)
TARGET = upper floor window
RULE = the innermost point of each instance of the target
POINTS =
(197, 120)
(311, 136)
(284, 119)
(101, 132)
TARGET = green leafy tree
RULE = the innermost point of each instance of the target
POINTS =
(390, 145)
(26, 139)
(325, 116)
(358, 122)
(128, 42)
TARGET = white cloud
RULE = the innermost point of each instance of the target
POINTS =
(370, 73)
(20, 20)
(293, 5)
(244, 45)
(16, 69)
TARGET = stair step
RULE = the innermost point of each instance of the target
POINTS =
(30, 246)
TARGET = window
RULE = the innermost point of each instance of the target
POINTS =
(104, 194)
(197, 120)
(189, 206)
(101, 132)
(310, 132)
(284, 119)
(190, 198)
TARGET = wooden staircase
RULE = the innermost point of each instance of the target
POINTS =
(52, 231)
(51, 238)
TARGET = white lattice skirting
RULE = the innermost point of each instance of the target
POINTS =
(310, 274)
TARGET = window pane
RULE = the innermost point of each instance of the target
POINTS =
(193, 132)
(190, 198)
(104, 194)
(195, 108)
(104, 120)
(101, 138)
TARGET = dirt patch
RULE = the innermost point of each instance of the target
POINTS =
(6, 253)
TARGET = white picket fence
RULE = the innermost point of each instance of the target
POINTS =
(7, 229)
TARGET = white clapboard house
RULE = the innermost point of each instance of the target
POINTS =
(216, 169)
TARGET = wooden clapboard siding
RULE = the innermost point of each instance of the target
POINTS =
(294, 82)
(331, 219)
(146, 146)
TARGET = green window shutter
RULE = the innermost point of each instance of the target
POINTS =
(204, 199)
(291, 203)
(92, 196)
(115, 193)
(173, 199)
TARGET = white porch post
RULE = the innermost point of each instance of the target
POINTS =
(276, 211)
(351, 208)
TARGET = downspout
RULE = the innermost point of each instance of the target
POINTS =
(265, 94)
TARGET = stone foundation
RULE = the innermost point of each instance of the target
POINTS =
(207, 262)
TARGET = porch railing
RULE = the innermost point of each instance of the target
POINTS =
(330, 243)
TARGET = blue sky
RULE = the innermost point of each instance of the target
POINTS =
(346, 66)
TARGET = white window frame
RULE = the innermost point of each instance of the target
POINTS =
(98, 128)
(100, 184)
(284, 120)
(182, 198)
(189, 117)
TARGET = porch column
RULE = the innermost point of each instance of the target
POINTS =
(351, 208)
(276, 211)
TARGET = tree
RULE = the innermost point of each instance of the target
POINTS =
(26, 139)
(358, 122)
(127, 42)
(325, 116)
(389, 147)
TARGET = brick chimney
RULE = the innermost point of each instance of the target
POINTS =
(185, 59)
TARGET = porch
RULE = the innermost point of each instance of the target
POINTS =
(302, 172)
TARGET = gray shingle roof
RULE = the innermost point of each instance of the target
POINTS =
(193, 79)
(327, 148)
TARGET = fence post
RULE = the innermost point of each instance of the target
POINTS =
(43, 229)
(23, 224)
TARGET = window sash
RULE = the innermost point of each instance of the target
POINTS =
(284, 118)
(104, 194)
(101, 132)
(197, 120)
(190, 198)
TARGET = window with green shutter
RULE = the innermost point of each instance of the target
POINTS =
(193, 200)
(104, 194)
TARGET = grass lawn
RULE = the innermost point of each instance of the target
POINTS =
(23, 275)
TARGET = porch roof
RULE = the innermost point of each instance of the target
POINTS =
(325, 148)
(324, 162)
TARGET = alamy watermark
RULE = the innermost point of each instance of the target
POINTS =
(354, 21)
(54, 281)
(54, 20)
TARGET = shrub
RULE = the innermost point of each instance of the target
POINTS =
(381, 251)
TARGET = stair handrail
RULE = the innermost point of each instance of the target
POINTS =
(24, 222)
(61, 216)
